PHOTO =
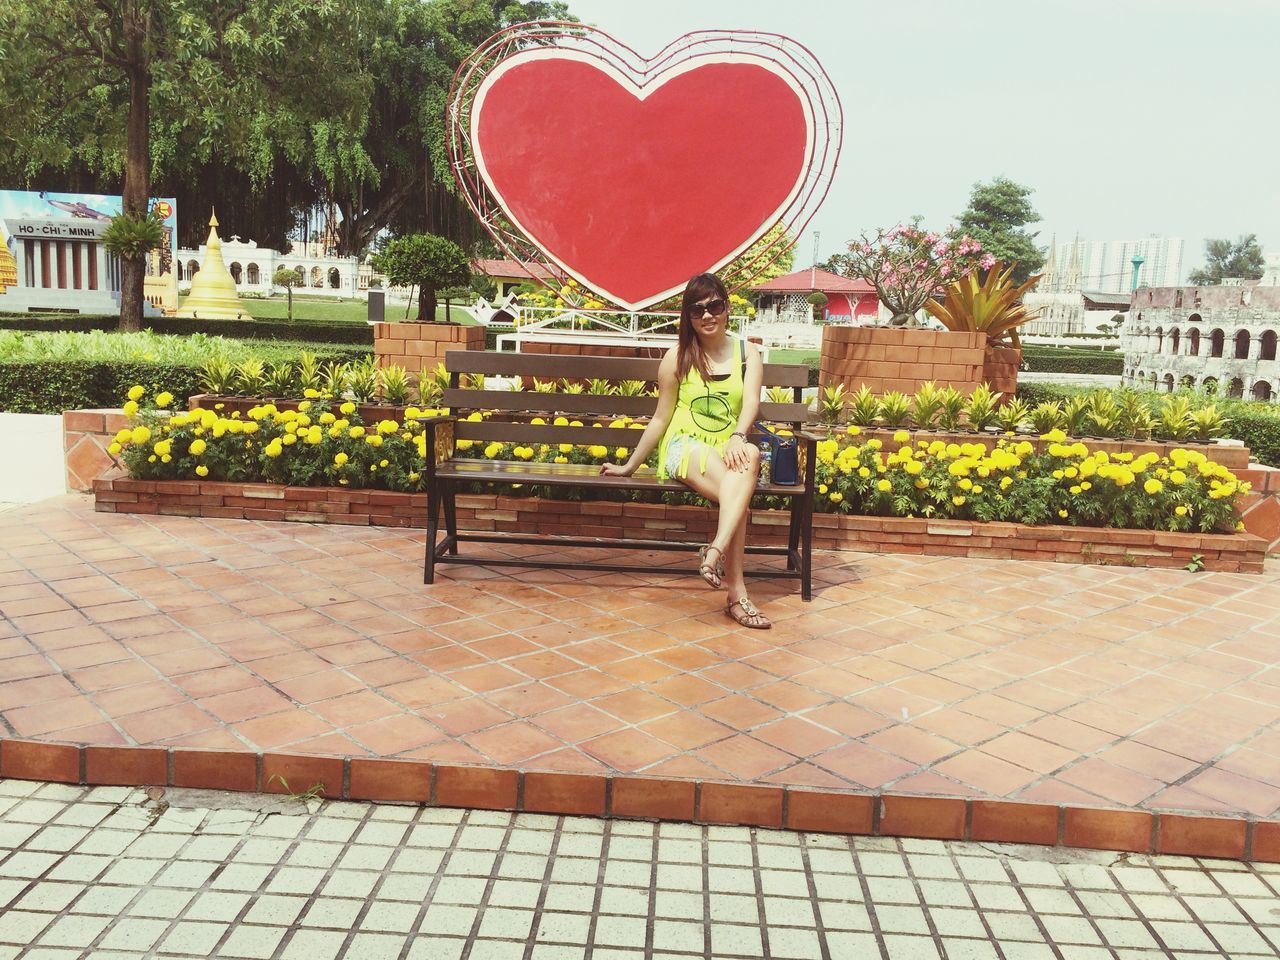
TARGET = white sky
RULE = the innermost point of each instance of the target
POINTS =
(1127, 117)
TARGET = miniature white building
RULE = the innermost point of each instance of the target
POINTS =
(252, 268)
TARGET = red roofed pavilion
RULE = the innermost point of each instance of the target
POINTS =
(784, 299)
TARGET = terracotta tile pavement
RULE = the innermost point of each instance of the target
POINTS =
(1109, 686)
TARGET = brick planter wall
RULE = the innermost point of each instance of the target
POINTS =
(86, 434)
(1242, 553)
(894, 359)
(420, 346)
(1000, 369)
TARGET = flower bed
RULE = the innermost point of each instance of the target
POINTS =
(1236, 553)
(1010, 482)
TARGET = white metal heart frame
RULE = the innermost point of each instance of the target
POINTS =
(528, 42)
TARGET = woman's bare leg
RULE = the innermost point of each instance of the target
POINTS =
(732, 490)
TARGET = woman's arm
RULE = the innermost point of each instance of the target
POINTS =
(668, 391)
(735, 453)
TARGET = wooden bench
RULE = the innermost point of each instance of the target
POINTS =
(508, 421)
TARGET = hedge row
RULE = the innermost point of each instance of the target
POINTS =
(52, 387)
(1060, 360)
(311, 331)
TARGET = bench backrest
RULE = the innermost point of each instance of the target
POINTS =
(558, 368)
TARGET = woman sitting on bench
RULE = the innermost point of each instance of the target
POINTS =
(708, 398)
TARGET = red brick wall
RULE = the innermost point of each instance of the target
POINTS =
(1229, 552)
(86, 434)
(420, 346)
(893, 359)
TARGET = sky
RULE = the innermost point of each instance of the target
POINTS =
(1128, 118)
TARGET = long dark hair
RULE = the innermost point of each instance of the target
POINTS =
(689, 354)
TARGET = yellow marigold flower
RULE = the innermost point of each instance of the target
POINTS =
(347, 409)
(562, 459)
(1055, 436)
(566, 448)
(130, 409)
(965, 484)
(249, 427)
(384, 463)
(311, 393)
(538, 421)
(315, 435)
(836, 496)
(864, 472)
(197, 447)
(561, 421)
(151, 459)
(1180, 510)
(340, 459)
(465, 444)
(1005, 482)
(596, 450)
(958, 501)
(289, 439)
(1153, 486)
(1063, 514)
(373, 468)
(921, 483)
(1086, 485)
(884, 486)
(387, 426)
(852, 430)
(1177, 478)
(327, 418)
(274, 448)
(492, 450)
(913, 467)
(140, 434)
(901, 436)
(523, 453)
(1071, 473)
(373, 440)
(202, 471)
(1075, 490)
(114, 448)
(164, 399)
(136, 392)
(874, 444)
(620, 453)
(355, 433)
(822, 488)
(578, 423)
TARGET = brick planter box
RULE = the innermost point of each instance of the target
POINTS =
(420, 346)
(1236, 553)
(1000, 369)
(886, 358)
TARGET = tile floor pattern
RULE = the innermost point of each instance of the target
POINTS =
(1045, 682)
(111, 874)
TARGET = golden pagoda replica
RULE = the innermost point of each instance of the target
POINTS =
(8, 266)
(213, 290)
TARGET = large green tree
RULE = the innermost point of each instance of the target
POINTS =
(1222, 258)
(120, 88)
(997, 214)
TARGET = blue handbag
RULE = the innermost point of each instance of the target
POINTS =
(785, 456)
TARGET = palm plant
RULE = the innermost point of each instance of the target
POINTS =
(278, 380)
(250, 376)
(1075, 415)
(895, 408)
(432, 385)
(832, 402)
(362, 380)
(1135, 415)
(218, 376)
(864, 406)
(1208, 423)
(993, 306)
(631, 388)
(333, 378)
(308, 372)
(926, 405)
(599, 386)
(1013, 415)
(1106, 414)
(951, 404)
(394, 383)
(778, 395)
(980, 411)
(1174, 421)
(1047, 417)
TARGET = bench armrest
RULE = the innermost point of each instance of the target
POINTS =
(439, 442)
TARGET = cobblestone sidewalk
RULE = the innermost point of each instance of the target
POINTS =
(111, 873)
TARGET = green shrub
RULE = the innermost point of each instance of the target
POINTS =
(309, 331)
(1259, 428)
(1067, 360)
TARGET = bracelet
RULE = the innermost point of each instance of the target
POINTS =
(738, 433)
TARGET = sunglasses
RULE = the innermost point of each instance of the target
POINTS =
(714, 307)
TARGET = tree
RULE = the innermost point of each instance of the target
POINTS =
(288, 277)
(1224, 259)
(427, 261)
(818, 300)
(996, 214)
(119, 87)
(907, 265)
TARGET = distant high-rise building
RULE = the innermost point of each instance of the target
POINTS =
(1107, 265)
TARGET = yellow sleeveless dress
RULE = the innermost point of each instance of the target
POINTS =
(705, 417)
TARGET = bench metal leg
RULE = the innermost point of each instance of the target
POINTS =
(433, 518)
(793, 533)
(451, 519)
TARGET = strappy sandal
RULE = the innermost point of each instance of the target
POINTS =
(708, 571)
(747, 615)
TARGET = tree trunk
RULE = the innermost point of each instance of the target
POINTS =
(137, 170)
(289, 291)
(426, 305)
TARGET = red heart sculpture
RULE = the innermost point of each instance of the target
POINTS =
(633, 189)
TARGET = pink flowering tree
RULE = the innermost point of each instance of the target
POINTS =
(908, 264)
